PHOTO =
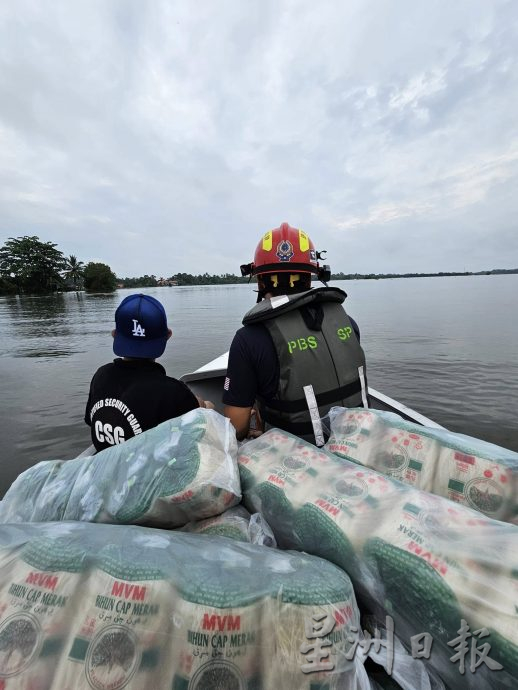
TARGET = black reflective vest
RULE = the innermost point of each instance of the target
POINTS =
(316, 347)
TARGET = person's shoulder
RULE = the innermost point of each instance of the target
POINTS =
(104, 369)
(250, 341)
(252, 346)
(171, 381)
(252, 333)
(177, 392)
(355, 326)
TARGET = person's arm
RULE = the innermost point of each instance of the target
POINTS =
(356, 328)
(88, 407)
(240, 418)
(240, 385)
(177, 400)
(205, 403)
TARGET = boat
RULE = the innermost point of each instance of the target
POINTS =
(207, 383)
(420, 598)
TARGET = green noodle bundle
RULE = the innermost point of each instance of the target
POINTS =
(182, 470)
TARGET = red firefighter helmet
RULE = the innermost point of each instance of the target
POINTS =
(285, 250)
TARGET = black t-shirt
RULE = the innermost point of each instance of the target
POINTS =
(253, 366)
(128, 397)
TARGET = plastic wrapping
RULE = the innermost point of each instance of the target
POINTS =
(466, 470)
(235, 523)
(87, 606)
(182, 470)
(405, 671)
(423, 561)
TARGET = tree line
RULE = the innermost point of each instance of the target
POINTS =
(28, 265)
(231, 279)
(183, 279)
(381, 276)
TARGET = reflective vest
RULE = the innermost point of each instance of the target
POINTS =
(321, 362)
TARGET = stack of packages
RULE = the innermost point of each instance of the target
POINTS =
(112, 606)
(105, 606)
(420, 559)
(235, 523)
(466, 470)
(180, 471)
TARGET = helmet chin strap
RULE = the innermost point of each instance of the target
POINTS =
(261, 292)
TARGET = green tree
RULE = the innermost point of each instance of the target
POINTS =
(206, 279)
(31, 265)
(74, 271)
(99, 278)
(142, 281)
(6, 286)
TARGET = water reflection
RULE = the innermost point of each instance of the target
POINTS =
(32, 307)
(52, 325)
(46, 353)
(423, 340)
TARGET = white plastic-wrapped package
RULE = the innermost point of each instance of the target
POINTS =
(280, 470)
(320, 608)
(182, 470)
(405, 672)
(466, 470)
(417, 557)
(235, 523)
(148, 608)
(39, 590)
(121, 627)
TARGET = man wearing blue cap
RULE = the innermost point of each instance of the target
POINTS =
(133, 393)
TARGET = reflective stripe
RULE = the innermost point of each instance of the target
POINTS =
(303, 241)
(279, 301)
(365, 400)
(315, 415)
(267, 241)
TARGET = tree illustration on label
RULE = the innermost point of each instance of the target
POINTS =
(19, 640)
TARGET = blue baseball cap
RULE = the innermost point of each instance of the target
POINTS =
(140, 327)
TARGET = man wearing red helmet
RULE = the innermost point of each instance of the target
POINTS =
(298, 353)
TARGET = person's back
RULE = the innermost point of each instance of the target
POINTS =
(298, 353)
(133, 394)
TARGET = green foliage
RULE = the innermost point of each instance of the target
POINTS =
(99, 277)
(30, 265)
(184, 279)
(7, 287)
(74, 272)
(441, 274)
(143, 281)
(206, 279)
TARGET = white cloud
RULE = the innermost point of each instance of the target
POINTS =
(418, 88)
(165, 137)
(438, 196)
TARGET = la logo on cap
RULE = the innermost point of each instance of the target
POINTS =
(140, 327)
(137, 329)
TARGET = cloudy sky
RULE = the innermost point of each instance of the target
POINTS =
(166, 136)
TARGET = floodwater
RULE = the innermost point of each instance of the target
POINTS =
(448, 347)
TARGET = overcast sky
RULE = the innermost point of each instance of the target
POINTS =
(167, 136)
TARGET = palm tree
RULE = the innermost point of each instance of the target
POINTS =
(74, 270)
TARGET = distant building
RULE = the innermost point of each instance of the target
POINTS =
(166, 282)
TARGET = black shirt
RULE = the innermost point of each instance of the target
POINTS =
(128, 397)
(253, 366)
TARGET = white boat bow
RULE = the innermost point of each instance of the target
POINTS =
(207, 382)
